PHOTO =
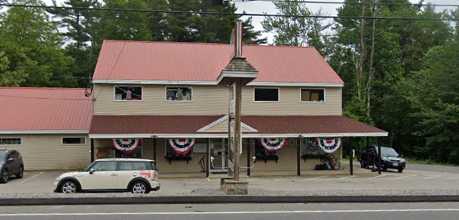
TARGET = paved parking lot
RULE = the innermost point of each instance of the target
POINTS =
(422, 179)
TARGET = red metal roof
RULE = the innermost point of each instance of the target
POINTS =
(264, 124)
(174, 61)
(124, 124)
(44, 109)
(308, 124)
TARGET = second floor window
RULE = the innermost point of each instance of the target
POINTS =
(266, 94)
(178, 93)
(312, 95)
(126, 93)
(74, 140)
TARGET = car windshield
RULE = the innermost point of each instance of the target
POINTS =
(388, 152)
(2, 156)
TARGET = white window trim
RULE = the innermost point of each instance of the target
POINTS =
(84, 138)
(258, 87)
(20, 140)
(116, 100)
(314, 102)
(178, 101)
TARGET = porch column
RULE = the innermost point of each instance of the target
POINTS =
(379, 156)
(208, 158)
(154, 150)
(298, 155)
(249, 148)
(92, 150)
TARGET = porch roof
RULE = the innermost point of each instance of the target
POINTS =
(167, 126)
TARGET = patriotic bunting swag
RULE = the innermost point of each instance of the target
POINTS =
(329, 145)
(126, 145)
(182, 146)
(272, 145)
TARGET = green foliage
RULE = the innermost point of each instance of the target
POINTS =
(296, 29)
(32, 56)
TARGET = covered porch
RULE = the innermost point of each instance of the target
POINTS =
(160, 137)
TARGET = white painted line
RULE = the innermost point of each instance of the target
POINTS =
(27, 179)
(234, 212)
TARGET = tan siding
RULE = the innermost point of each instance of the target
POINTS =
(213, 100)
(46, 152)
(206, 100)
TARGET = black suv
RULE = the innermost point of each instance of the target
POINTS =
(10, 164)
(390, 159)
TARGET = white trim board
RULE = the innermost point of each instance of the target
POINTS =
(246, 135)
(223, 119)
(85, 132)
(214, 83)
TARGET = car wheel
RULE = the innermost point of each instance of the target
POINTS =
(4, 176)
(139, 187)
(20, 174)
(69, 187)
(400, 170)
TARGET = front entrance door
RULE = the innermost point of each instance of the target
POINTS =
(219, 156)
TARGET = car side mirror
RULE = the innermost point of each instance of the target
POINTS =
(92, 170)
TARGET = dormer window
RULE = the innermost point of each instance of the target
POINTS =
(178, 93)
(128, 93)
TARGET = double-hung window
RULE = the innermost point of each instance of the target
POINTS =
(266, 94)
(178, 93)
(312, 95)
(127, 93)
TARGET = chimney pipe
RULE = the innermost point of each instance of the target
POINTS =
(237, 39)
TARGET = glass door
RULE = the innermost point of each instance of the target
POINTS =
(218, 156)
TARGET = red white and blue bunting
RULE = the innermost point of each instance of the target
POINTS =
(126, 144)
(272, 145)
(329, 145)
(182, 146)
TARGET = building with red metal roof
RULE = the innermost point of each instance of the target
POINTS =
(164, 100)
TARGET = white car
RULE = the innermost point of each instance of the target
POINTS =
(120, 174)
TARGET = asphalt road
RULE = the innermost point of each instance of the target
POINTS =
(317, 211)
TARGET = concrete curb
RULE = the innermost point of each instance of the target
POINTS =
(223, 199)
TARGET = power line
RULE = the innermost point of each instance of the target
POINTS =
(359, 3)
(228, 14)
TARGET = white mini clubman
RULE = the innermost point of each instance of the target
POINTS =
(118, 174)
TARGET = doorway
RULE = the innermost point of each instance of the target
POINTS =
(218, 156)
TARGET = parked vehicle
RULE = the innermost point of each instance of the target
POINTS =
(11, 164)
(390, 159)
(120, 174)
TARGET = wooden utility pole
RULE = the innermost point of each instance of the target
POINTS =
(362, 54)
(237, 130)
(372, 54)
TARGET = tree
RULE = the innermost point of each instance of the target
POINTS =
(295, 29)
(78, 31)
(33, 54)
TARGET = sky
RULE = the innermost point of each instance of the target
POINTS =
(325, 9)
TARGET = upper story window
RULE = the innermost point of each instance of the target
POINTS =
(73, 140)
(5, 141)
(266, 94)
(178, 93)
(126, 93)
(312, 95)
